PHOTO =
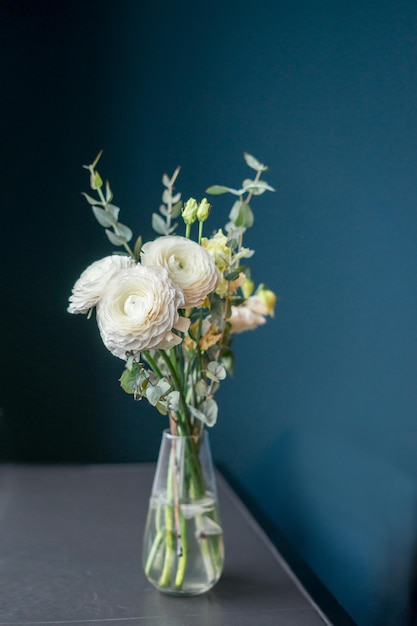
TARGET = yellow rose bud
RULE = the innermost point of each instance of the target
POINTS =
(203, 210)
(189, 212)
(268, 298)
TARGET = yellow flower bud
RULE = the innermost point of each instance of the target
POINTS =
(203, 210)
(268, 298)
(189, 212)
(247, 288)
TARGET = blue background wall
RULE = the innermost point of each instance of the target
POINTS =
(318, 428)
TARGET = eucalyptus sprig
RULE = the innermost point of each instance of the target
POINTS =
(107, 214)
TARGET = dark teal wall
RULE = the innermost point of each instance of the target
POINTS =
(318, 427)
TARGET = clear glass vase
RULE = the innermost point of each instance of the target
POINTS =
(183, 551)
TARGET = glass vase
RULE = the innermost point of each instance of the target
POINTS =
(183, 551)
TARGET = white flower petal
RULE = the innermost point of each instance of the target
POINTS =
(188, 264)
(137, 311)
(89, 287)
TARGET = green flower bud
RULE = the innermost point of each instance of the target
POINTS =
(203, 210)
(189, 212)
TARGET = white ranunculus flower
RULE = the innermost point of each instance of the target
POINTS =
(89, 287)
(248, 316)
(189, 266)
(138, 310)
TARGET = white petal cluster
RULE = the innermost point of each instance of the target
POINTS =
(89, 288)
(248, 316)
(137, 311)
(189, 266)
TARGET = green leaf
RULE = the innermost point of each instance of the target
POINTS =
(113, 210)
(103, 217)
(228, 360)
(153, 394)
(257, 188)
(109, 193)
(89, 199)
(254, 163)
(210, 410)
(123, 231)
(138, 247)
(245, 217)
(231, 275)
(116, 240)
(173, 400)
(216, 370)
(129, 379)
(159, 225)
(176, 209)
(217, 190)
(165, 180)
(232, 243)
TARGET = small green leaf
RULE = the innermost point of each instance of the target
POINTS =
(129, 379)
(109, 193)
(158, 224)
(201, 388)
(234, 275)
(232, 243)
(116, 240)
(123, 231)
(165, 180)
(173, 400)
(257, 188)
(254, 163)
(113, 210)
(176, 209)
(103, 217)
(217, 190)
(89, 199)
(233, 215)
(210, 410)
(245, 217)
(138, 247)
(153, 394)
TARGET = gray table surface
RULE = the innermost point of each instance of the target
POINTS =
(70, 553)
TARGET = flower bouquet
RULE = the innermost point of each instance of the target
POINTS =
(169, 308)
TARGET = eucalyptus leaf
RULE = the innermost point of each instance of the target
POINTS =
(166, 196)
(232, 243)
(233, 215)
(206, 413)
(201, 388)
(165, 180)
(233, 275)
(109, 193)
(113, 210)
(116, 240)
(254, 163)
(91, 200)
(153, 394)
(210, 410)
(103, 217)
(173, 400)
(176, 198)
(245, 217)
(123, 231)
(158, 224)
(176, 209)
(129, 378)
(257, 188)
